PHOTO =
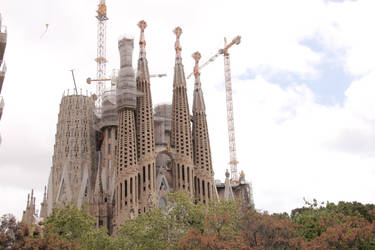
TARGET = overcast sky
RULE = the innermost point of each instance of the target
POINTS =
(303, 88)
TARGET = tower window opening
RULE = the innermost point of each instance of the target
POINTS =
(135, 188)
(131, 185)
(126, 188)
(188, 174)
(139, 186)
(121, 191)
(183, 172)
(178, 171)
(144, 174)
(208, 190)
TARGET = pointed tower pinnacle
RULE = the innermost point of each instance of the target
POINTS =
(142, 43)
(28, 216)
(145, 129)
(197, 58)
(28, 201)
(228, 192)
(204, 176)
(181, 140)
(177, 46)
(32, 199)
(198, 102)
(44, 208)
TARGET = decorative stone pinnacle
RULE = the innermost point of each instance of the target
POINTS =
(142, 42)
(227, 174)
(142, 24)
(177, 46)
(197, 57)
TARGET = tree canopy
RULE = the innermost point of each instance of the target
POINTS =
(184, 224)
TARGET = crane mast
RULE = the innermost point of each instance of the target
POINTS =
(229, 100)
(101, 60)
(230, 117)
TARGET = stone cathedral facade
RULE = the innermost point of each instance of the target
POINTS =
(126, 160)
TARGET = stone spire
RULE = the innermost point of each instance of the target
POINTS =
(142, 42)
(44, 205)
(126, 172)
(198, 102)
(98, 189)
(228, 192)
(177, 46)
(201, 142)
(181, 140)
(28, 201)
(28, 216)
(145, 128)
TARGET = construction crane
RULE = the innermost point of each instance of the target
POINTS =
(158, 75)
(229, 100)
(101, 60)
(74, 81)
(101, 56)
(89, 80)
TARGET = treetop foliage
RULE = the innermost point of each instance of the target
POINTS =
(183, 224)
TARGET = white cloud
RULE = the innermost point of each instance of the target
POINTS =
(291, 147)
(347, 28)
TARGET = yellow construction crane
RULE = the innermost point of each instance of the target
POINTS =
(229, 100)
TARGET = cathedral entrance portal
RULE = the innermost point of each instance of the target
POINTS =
(164, 162)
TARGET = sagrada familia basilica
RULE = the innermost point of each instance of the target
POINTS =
(126, 160)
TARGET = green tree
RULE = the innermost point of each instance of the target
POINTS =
(315, 218)
(162, 228)
(264, 231)
(220, 231)
(11, 232)
(349, 232)
(77, 227)
(16, 235)
(147, 231)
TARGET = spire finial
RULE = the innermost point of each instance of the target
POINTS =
(242, 174)
(28, 200)
(177, 46)
(227, 173)
(142, 42)
(45, 193)
(197, 57)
